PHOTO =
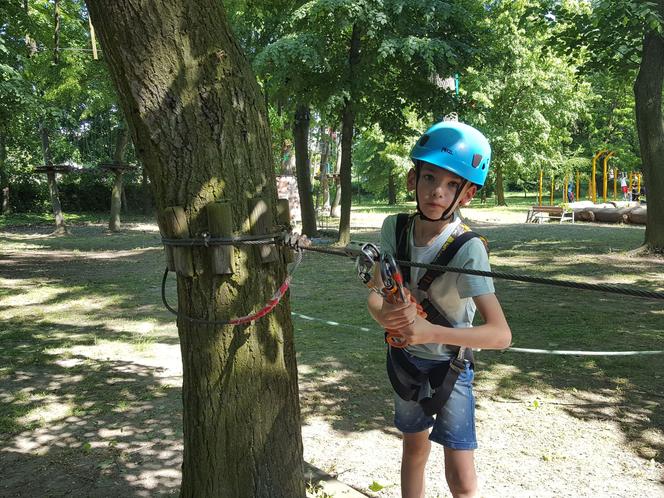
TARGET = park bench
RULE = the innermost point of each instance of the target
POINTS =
(539, 214)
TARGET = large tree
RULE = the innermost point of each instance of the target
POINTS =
(199, 125)
(634, 45)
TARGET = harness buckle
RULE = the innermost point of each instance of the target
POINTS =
(458, 364)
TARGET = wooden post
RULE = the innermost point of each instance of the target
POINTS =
(565, 189)
(174, 223)
(220, 224)
(284, 218)
(93, 39)
(541, 182)
(259, 221)
(578, 185)
(615, 184)
(553, 183)
(629, 188)
(638, 184)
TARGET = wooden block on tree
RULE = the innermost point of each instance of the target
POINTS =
(260, 223)
(220, 224)
(174, 223)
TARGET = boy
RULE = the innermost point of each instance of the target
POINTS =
(451, 163)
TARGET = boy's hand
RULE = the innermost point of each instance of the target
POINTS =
(418, 332)
(396, 316)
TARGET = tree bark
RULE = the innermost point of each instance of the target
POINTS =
(347, 128)
(4, 177)
(335, 208)
(650, 126)
(199, 126)
(60, 226)
(391, 189)
(500, 191)
(303, 169)
(121, 140)
(324, 158)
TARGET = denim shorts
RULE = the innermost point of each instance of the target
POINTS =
(454, 425)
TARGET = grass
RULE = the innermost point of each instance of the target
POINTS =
(77, 312)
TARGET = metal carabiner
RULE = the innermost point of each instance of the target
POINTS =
(392, 277)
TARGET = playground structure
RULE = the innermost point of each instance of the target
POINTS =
(619, 210)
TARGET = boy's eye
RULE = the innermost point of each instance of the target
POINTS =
(453, 184)
(428, 177)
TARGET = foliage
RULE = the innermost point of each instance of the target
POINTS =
(73, 98)
(526, 98)
(377, 159)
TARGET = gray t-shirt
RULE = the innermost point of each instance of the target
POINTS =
(450, 293)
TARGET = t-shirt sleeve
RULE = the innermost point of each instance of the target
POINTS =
(473, 256)
(387, 235)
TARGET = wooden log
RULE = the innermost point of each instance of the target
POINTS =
(608, 215)
(220, 224)
(638, 215)
(174, 225)
(284, 218)
(260, 223)
(584, 215)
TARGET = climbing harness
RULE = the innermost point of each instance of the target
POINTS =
(406, 379)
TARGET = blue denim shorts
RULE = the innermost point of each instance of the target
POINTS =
(454, 425)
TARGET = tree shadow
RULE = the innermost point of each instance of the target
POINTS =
(95, 427)
(342, 369)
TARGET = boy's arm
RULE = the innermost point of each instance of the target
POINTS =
(494, 333)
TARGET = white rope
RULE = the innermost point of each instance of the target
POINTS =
(514, 350)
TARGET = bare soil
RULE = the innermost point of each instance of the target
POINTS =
(123, 435)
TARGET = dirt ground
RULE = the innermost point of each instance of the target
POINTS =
(538, 446)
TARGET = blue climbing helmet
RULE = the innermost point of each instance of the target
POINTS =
(456, 147)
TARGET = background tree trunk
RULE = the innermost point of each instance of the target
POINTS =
(347, 128)
(302, 167)
(391, 189)
(650, 126)
(500, 191)
(323, 170)
(200, 128)
(335, 208)
(4, 178)
(114, 224)
(60, 226)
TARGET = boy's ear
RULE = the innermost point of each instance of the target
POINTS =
(411, 181)
(468, 195)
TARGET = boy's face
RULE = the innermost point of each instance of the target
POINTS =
(436, 190)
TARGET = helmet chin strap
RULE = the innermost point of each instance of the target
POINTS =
(446, 214)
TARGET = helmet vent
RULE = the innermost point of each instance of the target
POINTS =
(477, 159)
(423, 140)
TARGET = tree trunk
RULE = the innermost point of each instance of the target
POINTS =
(347, 126)
(200, 128)
(4, 178)
(301, 139)
(114, 224)
(60, 226)
(650, 126)
(391, 189)
(500, 192)
(335, 208)
(323, 171)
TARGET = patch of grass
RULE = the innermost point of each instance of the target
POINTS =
(77, 312)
